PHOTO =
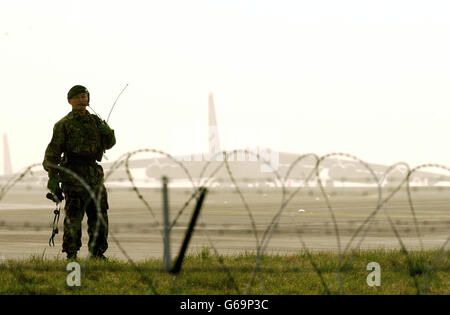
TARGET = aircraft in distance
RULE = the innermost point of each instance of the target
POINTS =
(334, 171)
(243, 164)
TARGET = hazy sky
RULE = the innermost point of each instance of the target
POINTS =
(370, 78)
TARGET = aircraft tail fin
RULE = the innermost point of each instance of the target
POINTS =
(214, 143)
(7, 166)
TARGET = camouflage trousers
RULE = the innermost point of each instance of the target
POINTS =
(79, 201)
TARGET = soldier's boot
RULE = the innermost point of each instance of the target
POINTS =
(99, 256)
(72, 256)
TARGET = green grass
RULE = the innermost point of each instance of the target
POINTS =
(204, 273)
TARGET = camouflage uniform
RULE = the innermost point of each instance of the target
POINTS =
(78, 138)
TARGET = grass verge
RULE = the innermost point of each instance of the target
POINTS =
(423, 272)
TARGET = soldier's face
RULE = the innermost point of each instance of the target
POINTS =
(79, 101)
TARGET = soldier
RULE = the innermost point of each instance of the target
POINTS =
(81, 138)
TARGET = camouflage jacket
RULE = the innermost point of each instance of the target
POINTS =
(78, 138)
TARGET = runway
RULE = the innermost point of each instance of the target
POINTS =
(232, 222)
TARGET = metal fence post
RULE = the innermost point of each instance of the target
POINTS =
(166, 258)
(177, 267)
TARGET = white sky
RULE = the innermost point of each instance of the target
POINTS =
(370, 78)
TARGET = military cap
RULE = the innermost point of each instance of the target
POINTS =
(77, 89)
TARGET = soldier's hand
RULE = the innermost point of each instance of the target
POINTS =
(53, 186)
(105, 129)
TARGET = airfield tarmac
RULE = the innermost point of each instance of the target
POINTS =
(227, 226)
